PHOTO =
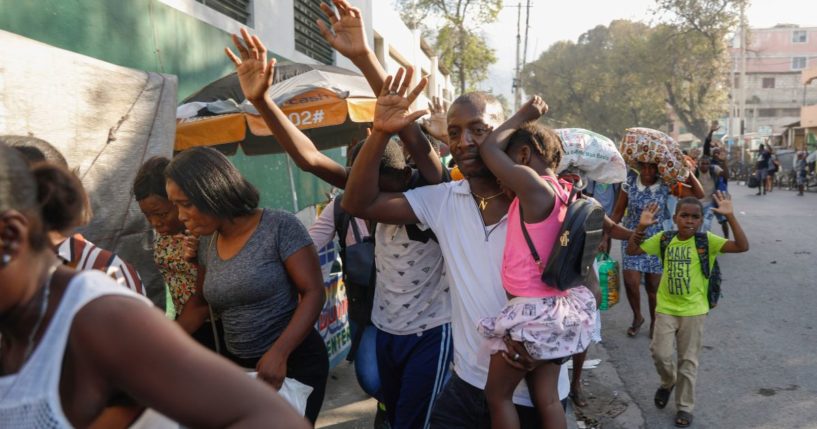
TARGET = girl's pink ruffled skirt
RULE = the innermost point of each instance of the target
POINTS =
(550, 328)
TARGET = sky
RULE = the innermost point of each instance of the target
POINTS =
(552, 21)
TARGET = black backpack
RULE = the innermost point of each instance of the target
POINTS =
(713, 273)
(574, 250)
(358, 266)
(359, 273)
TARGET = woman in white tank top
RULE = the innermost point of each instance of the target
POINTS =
(69, 342)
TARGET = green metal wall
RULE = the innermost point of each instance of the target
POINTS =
(149, 35)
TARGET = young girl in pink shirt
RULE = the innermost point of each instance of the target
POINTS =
(550, 324)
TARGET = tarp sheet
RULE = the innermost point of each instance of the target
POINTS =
(106, 120)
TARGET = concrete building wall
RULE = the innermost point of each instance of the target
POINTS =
(772, 49)
(186, 38)
(774, 91)
(398, 46)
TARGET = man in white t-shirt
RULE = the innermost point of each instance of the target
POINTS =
(469, 219)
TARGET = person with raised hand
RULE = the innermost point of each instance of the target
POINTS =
(684, 295)
(255, 75)
(412, 304)
(552, 324)
(469, 217)
(348, 37)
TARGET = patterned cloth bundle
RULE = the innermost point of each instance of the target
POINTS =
(653, 146)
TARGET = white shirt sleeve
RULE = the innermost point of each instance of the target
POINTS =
(323, 230)
(426, 201)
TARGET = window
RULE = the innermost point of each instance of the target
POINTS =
(789, 112)
(308, 39)
(238, 10)
(799, 36)
(798, 63)
(766, 113)
(768, 82)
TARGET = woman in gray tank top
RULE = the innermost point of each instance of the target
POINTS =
(262, 275)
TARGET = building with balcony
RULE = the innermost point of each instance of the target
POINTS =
(775, 93)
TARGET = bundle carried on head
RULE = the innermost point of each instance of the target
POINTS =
(654, 147)
(595, 156)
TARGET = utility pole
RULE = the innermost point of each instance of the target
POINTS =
(730, 124)
(742, 101)
(516, 87)
(525, 50)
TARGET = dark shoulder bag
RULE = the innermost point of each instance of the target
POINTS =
(575, 248)
(358, 271)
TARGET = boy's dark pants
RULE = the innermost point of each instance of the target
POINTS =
(687, 332)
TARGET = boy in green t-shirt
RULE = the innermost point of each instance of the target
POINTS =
(682, 295)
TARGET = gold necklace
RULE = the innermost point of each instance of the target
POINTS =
(483, 201)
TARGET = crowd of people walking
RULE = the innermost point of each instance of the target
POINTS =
(453, 325)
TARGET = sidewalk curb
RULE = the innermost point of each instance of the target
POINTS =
(609, 404)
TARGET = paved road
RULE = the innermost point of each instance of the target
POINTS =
(758, 368)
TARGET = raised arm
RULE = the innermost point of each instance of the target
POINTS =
(708, 139)
(616, 230)
(255, 75)
(348, 37)
(740, 244)
(535, 196)
(647, 219)
(621, 205)
(697, 189)
(363, 197)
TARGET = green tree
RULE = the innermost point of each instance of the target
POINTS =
(598, 82)
(462, 50)
(691, 58)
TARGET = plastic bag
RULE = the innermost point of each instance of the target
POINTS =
(608, 271)
(152, 419)
(593, 154)
(653, 146)
(295, 392)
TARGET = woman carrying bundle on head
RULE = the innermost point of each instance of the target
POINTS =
(658, 162)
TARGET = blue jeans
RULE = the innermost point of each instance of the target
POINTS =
(762, 174)
(368, 376)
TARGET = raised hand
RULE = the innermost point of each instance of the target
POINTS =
(648, 216)
(391, 113)
(254, 72)
(724, 202)
(437, 124)
(533, 109)
(347, 34)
